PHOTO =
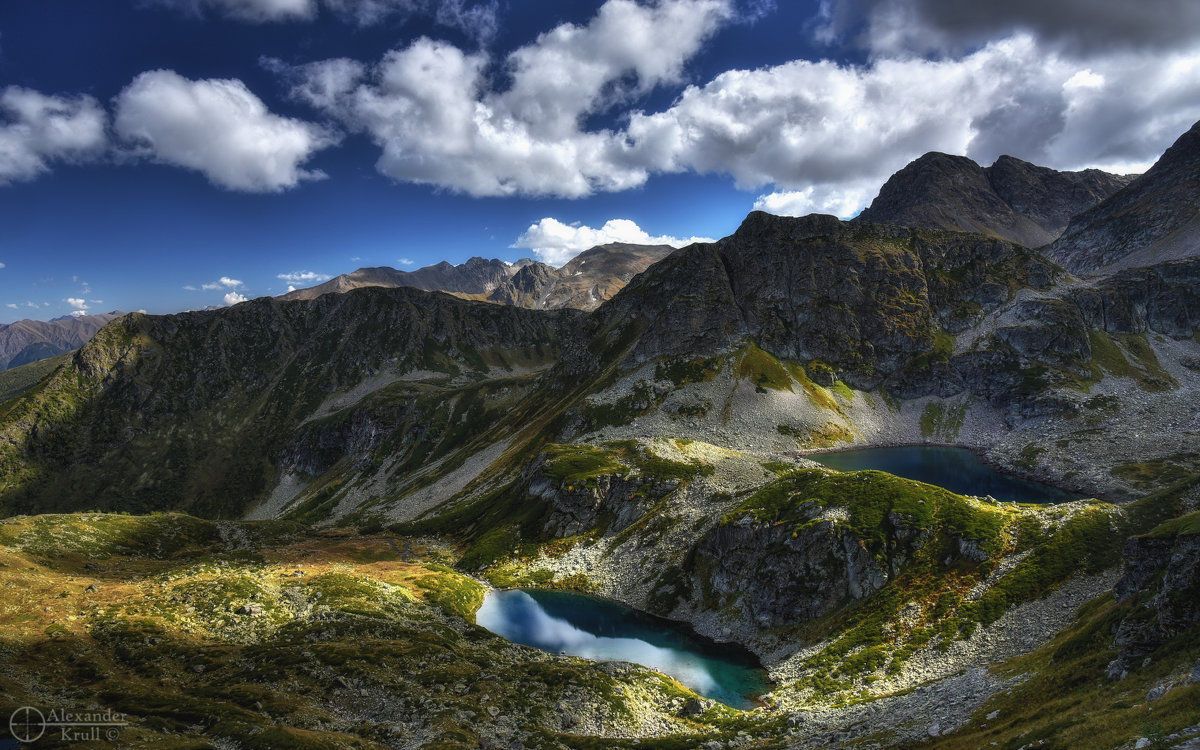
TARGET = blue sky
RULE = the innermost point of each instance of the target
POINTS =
(175, 154)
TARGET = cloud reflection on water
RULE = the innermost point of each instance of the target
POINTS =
(516, 616)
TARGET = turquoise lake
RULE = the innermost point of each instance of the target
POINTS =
(957, 469)
(601, 630)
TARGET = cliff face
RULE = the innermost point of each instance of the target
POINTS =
(870, 301)
(1012, 199)
(1164, 299)
(777, 577)
(1156, 218)
(1162, 570)
(812, 543)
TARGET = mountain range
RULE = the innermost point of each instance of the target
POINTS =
(583, 283)
(27, 341)
(324, 487)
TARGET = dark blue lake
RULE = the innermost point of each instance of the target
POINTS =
(601, 630)
(957, 469)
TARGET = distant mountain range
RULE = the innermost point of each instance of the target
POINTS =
(1011, 200)
(589, 279)
(27, 341)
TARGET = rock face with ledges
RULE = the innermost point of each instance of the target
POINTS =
(1012, 199)
(867, 299)
(1164, 298)
(781, 578)
(1156, 218)
(1165, 568)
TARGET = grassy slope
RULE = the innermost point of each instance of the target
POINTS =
(18, 380)
(1066, 700)
(269, 637)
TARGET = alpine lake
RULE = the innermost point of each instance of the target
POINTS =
(603, 630)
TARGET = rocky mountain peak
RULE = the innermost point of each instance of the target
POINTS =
(1012, 199)
(1155, 218)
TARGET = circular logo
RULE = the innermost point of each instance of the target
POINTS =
(27, 724)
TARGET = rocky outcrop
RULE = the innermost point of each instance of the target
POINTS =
(1156, 218)
(1012, 199)
(777, 577)
(616, 501)
(1163, 299)
(1163, 570)
(1048, 330)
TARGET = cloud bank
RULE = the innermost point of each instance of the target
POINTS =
(429, 108)
(1080, 27)
(814, 135)
(1070, 85)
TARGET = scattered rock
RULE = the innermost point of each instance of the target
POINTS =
(692, 707)
(1194, 677)
(1157, 692)
(250, 609)
(1142, 742)
(91, 589)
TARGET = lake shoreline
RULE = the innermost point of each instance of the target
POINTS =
(1060, 491)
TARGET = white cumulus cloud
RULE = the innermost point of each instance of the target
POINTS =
(405, 261)
(303, 277)
(219, 128)
(840, 200)
(429, 108)
(233, 298)
(228, 282)
(12, 305)
(555, 243)
(36, 130)
(76, 302)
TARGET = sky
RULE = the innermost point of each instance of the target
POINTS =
(166, 155)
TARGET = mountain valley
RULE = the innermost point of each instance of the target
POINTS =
(271, 525)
